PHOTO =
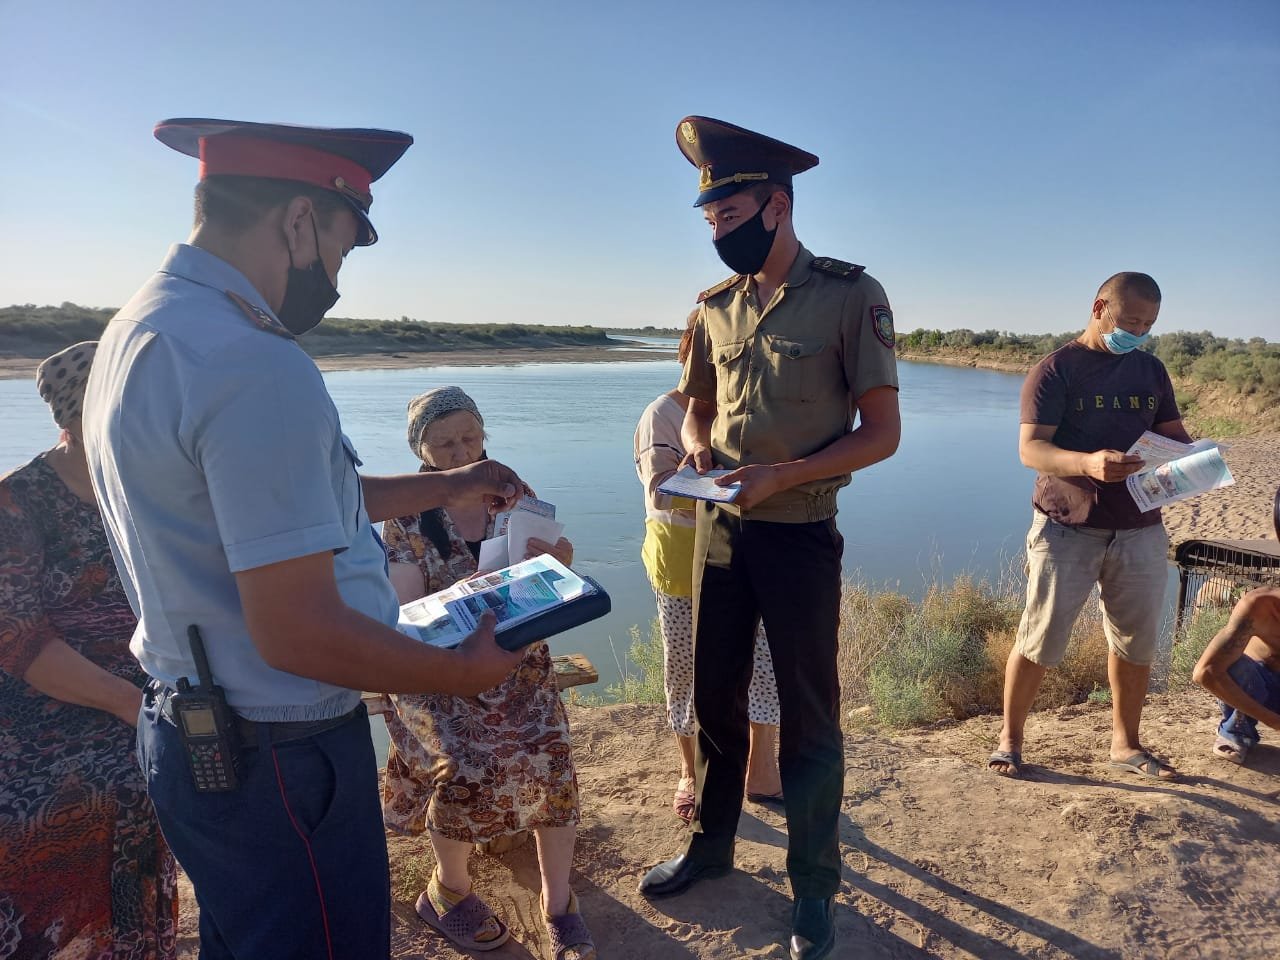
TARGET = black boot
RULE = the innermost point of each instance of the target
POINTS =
(678, 875)
(813, 929)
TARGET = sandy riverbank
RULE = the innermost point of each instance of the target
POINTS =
(941, 858)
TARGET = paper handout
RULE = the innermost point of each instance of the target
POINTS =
(1175, 471)
(511, 532)
(687, 482)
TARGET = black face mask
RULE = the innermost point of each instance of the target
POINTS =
(308, 294)
(747, 248)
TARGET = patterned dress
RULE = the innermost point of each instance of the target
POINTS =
(475, 768)
(83, 867)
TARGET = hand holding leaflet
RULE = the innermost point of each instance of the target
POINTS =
(687, 482)
(1175, 471)
(511, 532)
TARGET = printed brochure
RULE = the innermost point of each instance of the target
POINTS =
(1175, 471)
(532, 600)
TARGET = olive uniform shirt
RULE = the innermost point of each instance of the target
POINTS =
(786, 379)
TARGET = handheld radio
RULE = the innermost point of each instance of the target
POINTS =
(207, 726)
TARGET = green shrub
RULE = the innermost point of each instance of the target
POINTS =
(1191, 641)
(641, 669)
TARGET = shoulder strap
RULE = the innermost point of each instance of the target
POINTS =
(838, 268)
(720, 287)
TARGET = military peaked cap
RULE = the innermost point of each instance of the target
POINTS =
(346, 161)
(731, 158)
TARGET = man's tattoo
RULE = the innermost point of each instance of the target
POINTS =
(1237, 636)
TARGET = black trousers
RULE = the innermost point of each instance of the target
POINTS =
(789, 576)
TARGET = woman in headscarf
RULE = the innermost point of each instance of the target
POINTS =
(468, 770)
(84, 870)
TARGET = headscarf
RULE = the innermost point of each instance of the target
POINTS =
(61, 380)
(428, 407)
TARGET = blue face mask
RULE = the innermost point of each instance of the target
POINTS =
(1122, 341)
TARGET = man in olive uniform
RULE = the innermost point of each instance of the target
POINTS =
(784, 354)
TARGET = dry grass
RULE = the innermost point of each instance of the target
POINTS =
(943, 657)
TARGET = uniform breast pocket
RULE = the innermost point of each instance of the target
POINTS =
(798, 368)
(731, 360)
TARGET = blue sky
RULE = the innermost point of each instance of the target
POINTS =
(990, 162)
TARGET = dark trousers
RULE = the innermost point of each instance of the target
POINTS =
(788, 575)
(292, 865)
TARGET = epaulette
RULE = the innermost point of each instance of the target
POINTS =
(720, 287)
(838, 268)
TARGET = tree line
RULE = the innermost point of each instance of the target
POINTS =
(1246, 366)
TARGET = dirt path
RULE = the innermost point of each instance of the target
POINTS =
(942, 859)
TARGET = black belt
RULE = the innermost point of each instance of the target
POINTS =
(278, 731)
(282, 731)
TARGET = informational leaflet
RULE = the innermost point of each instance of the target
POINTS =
(687, 482)
(512, 530)
(514, 595)
(1175, 471)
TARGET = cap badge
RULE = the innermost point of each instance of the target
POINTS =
(689, 132)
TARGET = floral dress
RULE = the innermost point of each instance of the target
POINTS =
(84, 870)
(475, 768)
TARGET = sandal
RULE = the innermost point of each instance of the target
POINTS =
(1009, 758)
(570, 938)
(1145, 765)
(462, 922)
(1229, 750)
(685, 800)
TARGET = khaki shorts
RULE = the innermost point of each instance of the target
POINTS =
(1131, 569)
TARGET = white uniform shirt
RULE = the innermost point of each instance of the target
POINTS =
(214, 448)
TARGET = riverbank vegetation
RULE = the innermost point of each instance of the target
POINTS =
(36, 332)
(908, 663)
(1226, 387)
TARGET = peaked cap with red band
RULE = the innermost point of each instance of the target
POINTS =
(346, 161)
(731, 158)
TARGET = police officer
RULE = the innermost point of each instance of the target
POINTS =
(233, 504)
(785, 352)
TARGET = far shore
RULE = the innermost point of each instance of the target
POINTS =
(17, 368)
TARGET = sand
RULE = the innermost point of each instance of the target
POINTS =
(941, 858)
(1239, 512)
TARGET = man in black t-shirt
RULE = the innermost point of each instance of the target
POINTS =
(1082, 407)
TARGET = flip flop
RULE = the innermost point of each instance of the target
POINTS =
(1230, 751)
(1011, 758)
(767, 799)
(461, 922)
(1144, 765)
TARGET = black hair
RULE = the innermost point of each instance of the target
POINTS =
(235, 203)
(1129, 284)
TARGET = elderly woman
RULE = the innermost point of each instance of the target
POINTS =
(471, 769)
(84, 871)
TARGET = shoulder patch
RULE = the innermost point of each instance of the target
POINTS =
(882, 324)
(720, 287)
(838, 268)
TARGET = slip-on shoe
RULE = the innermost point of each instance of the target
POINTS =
(678, 875)
(813, 929)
